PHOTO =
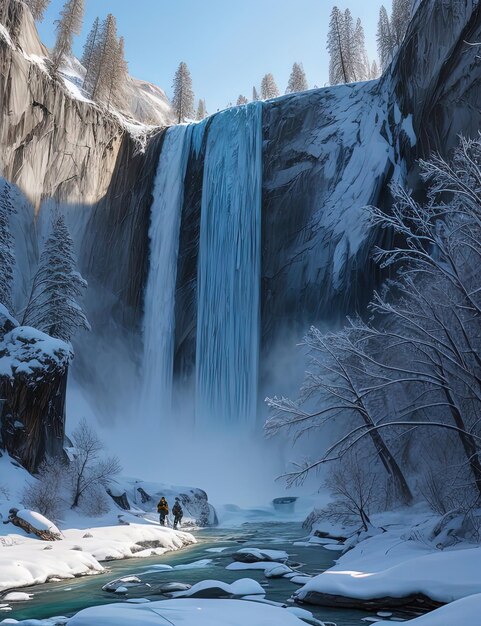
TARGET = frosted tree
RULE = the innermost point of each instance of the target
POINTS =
(297, 80)
(89, 47)
(38, 8)
(400, 18)
(374, 71)
(242, 100)
(268, 87)
(68, 25)
(255, 95)
(53, 306)
(338, 61)
(385, 40)
(7, 253)
(361, 67)
(183, 100)
(347, 49)
(201, 110)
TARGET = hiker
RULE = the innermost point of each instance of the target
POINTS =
(177, 512)
(162, 510)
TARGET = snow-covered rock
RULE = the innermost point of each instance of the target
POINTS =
(219, 589)
(255, 555)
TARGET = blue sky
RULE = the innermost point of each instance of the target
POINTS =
(227, 45)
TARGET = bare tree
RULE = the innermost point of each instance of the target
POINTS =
(183, 100)
(46, 493)
(337, 382)
(68, 25)
(356, 493)
(88, 469)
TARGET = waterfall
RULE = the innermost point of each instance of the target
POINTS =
(159, 322)
(227, 349)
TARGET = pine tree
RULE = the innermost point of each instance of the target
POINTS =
(400, 18)
(68, 25)
(374, 71)
(361, 65)
(7, 253)
(201, 111)
(118, 73)
(183, 100)
(385, 40)
(89, 47)
(241, 100)
(268, 87)
(107, 75)
(255, 95)
(297, 80)
(53, 306)
(338, 64)
(37, 8)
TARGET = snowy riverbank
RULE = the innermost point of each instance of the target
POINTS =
(406, 566)
(26, 561)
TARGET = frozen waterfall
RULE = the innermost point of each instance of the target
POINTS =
(227, 350)
(159, 318)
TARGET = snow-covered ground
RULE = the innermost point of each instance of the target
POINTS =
(86, 541)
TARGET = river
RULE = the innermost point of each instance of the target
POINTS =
(70, 596)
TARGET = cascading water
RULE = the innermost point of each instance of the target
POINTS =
(159, 319)
(227, 350)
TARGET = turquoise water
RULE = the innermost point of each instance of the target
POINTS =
(69, 597)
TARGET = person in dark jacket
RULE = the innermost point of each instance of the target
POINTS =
(177, 512)
(162, 510)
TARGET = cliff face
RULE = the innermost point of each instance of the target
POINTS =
(327, 154)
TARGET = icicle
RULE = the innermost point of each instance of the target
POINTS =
(159, 322)
(229, 269)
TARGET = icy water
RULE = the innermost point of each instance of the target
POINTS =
(69, 597)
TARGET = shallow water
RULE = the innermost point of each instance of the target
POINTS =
(69, 597)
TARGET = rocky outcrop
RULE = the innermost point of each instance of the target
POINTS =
(33, 380)
(414, 602)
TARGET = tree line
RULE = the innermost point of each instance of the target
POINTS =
(106, 70)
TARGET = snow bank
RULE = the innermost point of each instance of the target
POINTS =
(187, 612)
(25, 561)
(387, 566)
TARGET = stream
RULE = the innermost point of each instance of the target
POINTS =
(70, 596)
